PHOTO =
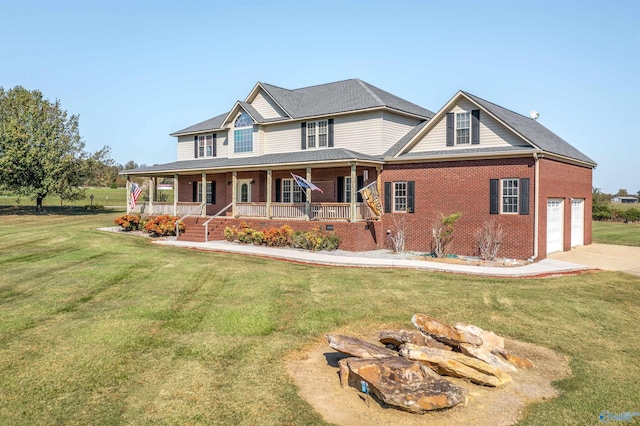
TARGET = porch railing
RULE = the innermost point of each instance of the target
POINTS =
(164, 208)
(206, 224)
(297, 211)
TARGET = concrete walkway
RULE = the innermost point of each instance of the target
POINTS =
(603, 256)
(545, 267)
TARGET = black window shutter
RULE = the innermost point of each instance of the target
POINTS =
(493, 196)
(524, 196)
(278, 190)
(303, 140)
(304, 195)
(450, 119)
(387, 197)
(360, 185)
(475, 126)
(195, 146)
(411, 196)
(340, 189)
(215, 146)
(195, 191)
(331, 132)
(213, 189)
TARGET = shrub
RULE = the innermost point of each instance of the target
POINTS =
(277, 237)
(489, 239)
(630, 215)
(94, 207)
(397, 235)
(129, 222)
(601, 212)
(442, 230)
(314, 239)
(230, 234)
(245, 234)
(164, 225)
(257, 237)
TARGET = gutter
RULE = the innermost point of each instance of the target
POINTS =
(536, 207)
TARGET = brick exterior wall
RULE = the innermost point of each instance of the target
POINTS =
(440, 187)
(462, 186)
(564, 181)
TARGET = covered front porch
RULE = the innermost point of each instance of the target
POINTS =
(270, 193)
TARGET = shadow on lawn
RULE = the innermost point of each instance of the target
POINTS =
(53, 211)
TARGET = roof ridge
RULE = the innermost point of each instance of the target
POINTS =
(323, 84)
(366, 87)
(499, 106)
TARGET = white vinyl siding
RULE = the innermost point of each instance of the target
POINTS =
(185, 148)
(492, 133)
(266, 106)
(283, 137)
(394, 127)
(359, 132)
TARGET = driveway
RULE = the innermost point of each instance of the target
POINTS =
(603, 256)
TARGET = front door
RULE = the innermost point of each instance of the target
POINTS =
(244, 190)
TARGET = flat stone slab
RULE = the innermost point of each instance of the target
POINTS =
(443, 332)
(358, 348)
(400, 337)
(404, 384)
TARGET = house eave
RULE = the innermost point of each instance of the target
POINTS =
(458, 157)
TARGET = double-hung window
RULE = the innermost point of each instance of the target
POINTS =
(462, 128)
(205, 145)
(243, 134)
(210, 192)
(317, 134)
(510, 195)
(291, 191)
(400, 196)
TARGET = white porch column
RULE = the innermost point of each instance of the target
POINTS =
(234, 192)
(269, 194)
(175, 195)
(151, 194)
(204, 194)
(354, 187)
(307, 207)
(128, 194)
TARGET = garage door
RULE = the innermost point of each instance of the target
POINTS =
(555, 225)
(577, 223)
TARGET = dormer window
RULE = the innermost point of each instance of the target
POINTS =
(243, 134)
(463, 128)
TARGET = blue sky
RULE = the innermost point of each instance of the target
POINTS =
(136, 71)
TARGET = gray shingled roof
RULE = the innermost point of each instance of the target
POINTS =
(404, 140)
(535, 132)
(337, 97)
(320, 155)
(210, 124)
(324, 99)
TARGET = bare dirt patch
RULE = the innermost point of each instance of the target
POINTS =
(315, 372)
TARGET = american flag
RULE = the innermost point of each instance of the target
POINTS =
(305, 183)
(135, 193)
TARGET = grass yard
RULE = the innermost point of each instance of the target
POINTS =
(624, 234)
(102, 328)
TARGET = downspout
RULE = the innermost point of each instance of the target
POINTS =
(536, 206)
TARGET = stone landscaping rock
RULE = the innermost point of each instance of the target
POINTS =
(402, 383)
(484, 354)
(400, 337)
(444, 332)
(358, 348)
(490, 340)
(456, 364)
(514, 359)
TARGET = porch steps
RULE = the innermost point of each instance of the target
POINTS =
(195, 232)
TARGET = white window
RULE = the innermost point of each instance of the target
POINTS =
(205, 146)
(347, 189)
(510, 195)
(243, 134)
(291, 191)
(462, 128)
(400, 196)
(317, 134)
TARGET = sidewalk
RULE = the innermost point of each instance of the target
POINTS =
(544, 267)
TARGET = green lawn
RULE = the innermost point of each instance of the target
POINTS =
(103, 328)
(624, 234)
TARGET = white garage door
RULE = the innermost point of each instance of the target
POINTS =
(555, 225)
(577, 223)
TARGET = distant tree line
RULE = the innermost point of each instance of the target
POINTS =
(602, 209)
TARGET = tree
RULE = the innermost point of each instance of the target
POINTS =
(622, 192)
(41, 151)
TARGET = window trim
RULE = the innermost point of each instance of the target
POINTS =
(466, 119)
(210, 198)
(205, 145)
(242, 131)
(514, 206)
(290, 193)
(313, 134)
(395, 196)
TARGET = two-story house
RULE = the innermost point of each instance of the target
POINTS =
(472, 156)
